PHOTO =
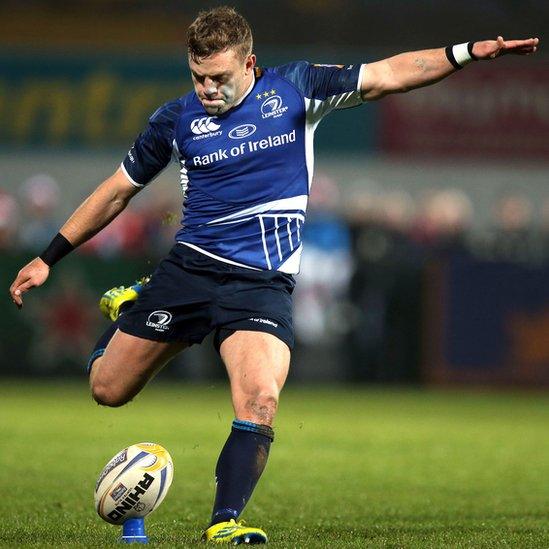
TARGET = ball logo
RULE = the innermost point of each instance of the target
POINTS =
(118, 492)
(121, 457)
(132, 499)
(157, 459)
(272, 107)
(242, 131)
(159, 320)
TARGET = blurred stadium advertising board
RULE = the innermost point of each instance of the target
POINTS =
(98, 101)
(82, 100)
(483, 111)
(487, 322)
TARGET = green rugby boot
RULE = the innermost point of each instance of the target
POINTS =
(235, 533)
(112, 300)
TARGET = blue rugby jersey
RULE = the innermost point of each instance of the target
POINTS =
(246, 174)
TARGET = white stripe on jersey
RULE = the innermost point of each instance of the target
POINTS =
(183, 176)
(222, 259)
(290, 233)
(291, 265)
(263, 238)
(277, 238)
(134, 183)
(293, 203)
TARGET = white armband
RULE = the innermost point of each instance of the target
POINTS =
(460, 54)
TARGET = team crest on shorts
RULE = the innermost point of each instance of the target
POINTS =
(159, 320)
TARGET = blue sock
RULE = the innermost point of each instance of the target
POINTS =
(101, 345)
(239, 467)
(103, 341)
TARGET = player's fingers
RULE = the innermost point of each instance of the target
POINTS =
(520, 43)
(16, 283)
(522, 46)
(19, 289)
(525, 50)
(16, 295)
(24, 287)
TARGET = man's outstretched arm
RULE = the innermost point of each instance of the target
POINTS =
(416, 69)
(95, 213)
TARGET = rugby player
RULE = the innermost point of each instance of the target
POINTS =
(244, 143)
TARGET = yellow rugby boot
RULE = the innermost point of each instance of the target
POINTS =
(112, 300)
(235, 533)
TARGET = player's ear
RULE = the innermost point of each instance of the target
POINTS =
(250, 62)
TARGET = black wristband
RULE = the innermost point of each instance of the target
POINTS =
(450, 55)
(58, 248)
(470, 50)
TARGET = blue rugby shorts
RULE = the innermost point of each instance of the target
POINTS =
(191, 294)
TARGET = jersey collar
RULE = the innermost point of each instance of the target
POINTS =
(246, 93)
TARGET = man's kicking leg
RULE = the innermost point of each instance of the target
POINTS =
(257, 364)
(121, 364)
(127, 364)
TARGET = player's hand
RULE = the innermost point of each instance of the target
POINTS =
(490, 49)
(31, 275)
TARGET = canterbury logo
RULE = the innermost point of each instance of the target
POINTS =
(204, 125)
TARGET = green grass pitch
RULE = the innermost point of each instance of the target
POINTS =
(349, 467)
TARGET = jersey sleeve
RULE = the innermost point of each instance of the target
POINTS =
(325, 87)
(152, 150)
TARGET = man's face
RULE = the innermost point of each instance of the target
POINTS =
(221, 79)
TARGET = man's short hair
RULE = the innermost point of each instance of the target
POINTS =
(217, 30)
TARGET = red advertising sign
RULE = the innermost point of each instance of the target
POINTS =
(484, 110)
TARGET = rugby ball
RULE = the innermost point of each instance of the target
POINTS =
(133, 483)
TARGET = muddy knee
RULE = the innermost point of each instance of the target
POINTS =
(260, 407)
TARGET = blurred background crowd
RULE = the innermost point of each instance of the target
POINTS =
(365, 224)
(427, 243)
